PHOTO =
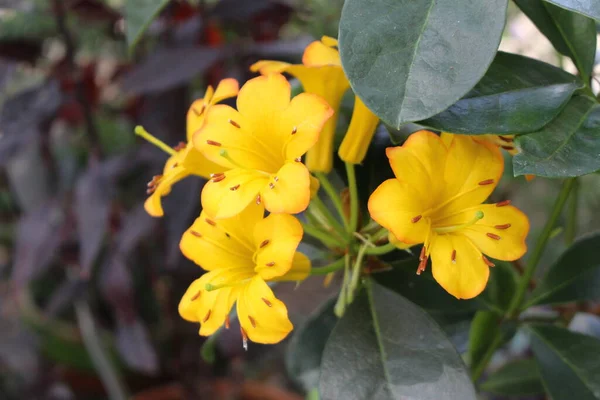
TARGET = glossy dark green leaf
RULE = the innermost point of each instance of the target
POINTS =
(303, 357)
(591, 8)
(568, 146)
(138, 16)
(516, 95)
(385, 347)
(517, 378)
(568, 362)
(409, 60)
(572, 34)
(574, 277)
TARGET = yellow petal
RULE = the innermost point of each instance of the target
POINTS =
(290, 192)
(226, 88)
(301, 123)
(173, 172)
(401, 245)
(197, 164)
(315, 184)
(420, 162)
(318, 54)
(224, 243)
(397, 206)
(263, 317)
(473, 169)
(329, 41)
(360, 132)
(230, 196)
(500, 234)
(195, 118)
(276, 239)
(266, 67)
(226, 130)
(467, 275)
(300, 270)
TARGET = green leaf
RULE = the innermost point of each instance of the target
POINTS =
(516, 95)
(303, 357)
(574, 277)
(517, 378)
(568, 146)
(138, 16)
(484, 328)
(568, 362)
(385, 347)
(591, 8)
(409, 60)
(500, 288)
(572, 34)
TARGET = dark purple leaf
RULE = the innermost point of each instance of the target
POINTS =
(135, 346)
(281, 48)
(167, 68)
(242, 10)
(136, 226)
(39, 235)
(116, 286)
(64, 296)
(25, 50)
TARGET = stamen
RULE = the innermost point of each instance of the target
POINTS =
(223, 153)
(299, 159)
(232, 122)
(196, 296)
(487, 262)
(210, 222)
(422, 265)
(453, 256)
(252, 321)
(271, 185)
(493, 236)
(507, 140)
(267, 302)
(228, 236)
(207, 316)
(503, 203)
(505, 226)
(276, 178)
(416, 219)
(155, 180)
(258, 199)
(199, 113)
(264, 243)
(180, 146)
(227, 322)
(422, 255)
(197, 234)
(234, 188)
(294, 130)
(270, 264)
(218, 178)
(508, 148)
(140, 131)
(447, 229)
(244, 339)
(213, 143)
(218, 174)
(486, 182)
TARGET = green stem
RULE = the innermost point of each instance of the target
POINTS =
(480, 367)
(379, 250)
(326, 239)
(322, 208)
(353, 197)
(334, 266)
(333, 195)
(356, 272)
(340, 305)
(540, 246)
(571, 229)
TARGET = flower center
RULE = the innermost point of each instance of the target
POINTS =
(453, 228)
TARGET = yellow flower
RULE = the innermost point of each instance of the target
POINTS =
(185, 160)
(436, 199)
(260, 145)
(321, 73)
(241, 254)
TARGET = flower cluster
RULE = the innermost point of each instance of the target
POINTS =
(252, 158)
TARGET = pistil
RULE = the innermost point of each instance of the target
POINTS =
(448, 229)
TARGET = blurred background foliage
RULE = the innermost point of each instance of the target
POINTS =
(89, 283)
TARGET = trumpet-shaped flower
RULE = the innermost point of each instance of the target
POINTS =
(185, 160)
(241, 254)
(260, 145)
(436, 199)
(321, 73)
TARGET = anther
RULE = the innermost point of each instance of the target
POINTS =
(486, 182)
(299, 159)
(507, 148)
(244, 339)
(493, 236)
(180, 146)
(507, 140)
(276, 178)
(264, 243)
(227, 322)
(416, 219)
(267, 302)
(422, 266)
(270, 264)
(258, 200)
(228, 235)
(234, 188)
(210, 222)
(196, 296)
(271, 185)
(199, 113)
(294, 130)
(213, 143)
(207, 316)
(505, 226)
(453, 256)
(422, 255)
(487, 262)
(197, 234)
(232, 122)
(503, 203)
(252, 321)
(218, 178)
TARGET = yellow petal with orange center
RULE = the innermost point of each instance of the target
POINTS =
(359, 135)
(276, 239)
(398, 207)
(262, 316)
(289, 190)
(229, 196)
(457, 265)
